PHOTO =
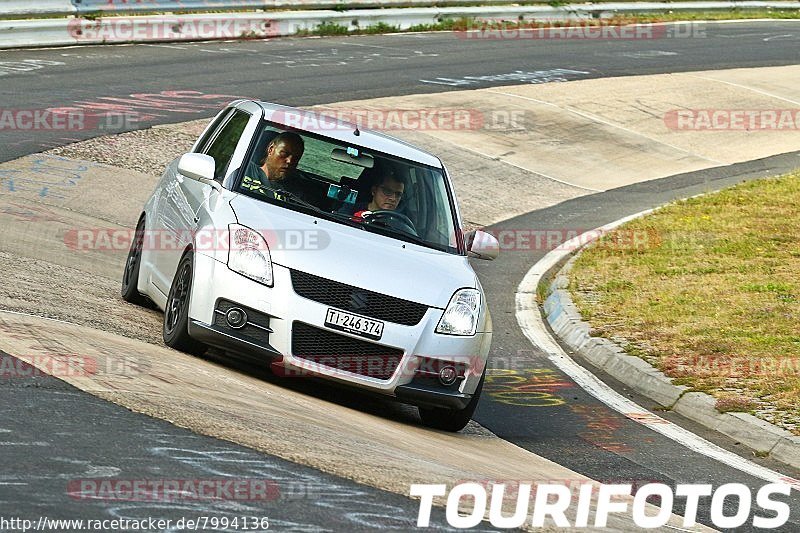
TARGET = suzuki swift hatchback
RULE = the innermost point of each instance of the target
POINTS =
(324, 250)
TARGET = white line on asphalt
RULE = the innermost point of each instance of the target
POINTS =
(166, 46)
(759, 91)
(533, 327)
(350, 43)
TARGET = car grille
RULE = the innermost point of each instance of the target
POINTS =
(332, 350)
(356, 300)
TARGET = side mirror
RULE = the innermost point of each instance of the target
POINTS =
(482, 245)
(198, 167)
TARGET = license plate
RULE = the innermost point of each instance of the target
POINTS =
(355, 324)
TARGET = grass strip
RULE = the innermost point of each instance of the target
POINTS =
(708, 291)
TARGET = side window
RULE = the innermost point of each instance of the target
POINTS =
(221, 118)
(222, 147)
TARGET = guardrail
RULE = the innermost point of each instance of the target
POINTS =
(22, 8)
(134, 6)
(210, 26)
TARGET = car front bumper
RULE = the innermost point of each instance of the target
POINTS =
(277, 311)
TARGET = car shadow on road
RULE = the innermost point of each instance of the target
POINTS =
(318, 388)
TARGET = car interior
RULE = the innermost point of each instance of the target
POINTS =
(340, 178)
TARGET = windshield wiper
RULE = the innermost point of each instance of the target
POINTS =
(283, 194)
(296, 200)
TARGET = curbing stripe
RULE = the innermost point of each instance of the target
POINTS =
(650, 382)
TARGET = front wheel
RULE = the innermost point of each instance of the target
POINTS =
(176, 314)
(452, 419)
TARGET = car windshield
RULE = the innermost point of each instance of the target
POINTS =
(352, 186)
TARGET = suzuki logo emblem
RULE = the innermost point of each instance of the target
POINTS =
(358, 300)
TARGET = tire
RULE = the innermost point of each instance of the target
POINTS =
(452, 419)
(176, 313)
(130, 276)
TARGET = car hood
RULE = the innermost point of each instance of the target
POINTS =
(356, 257)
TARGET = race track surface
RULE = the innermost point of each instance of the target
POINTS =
(561, 422)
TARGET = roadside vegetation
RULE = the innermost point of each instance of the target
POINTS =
(711, 297)
(472, 24)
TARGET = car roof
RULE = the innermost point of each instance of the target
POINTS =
(340, 130)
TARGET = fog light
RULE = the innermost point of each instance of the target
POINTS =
(236, 318)
(448, 375)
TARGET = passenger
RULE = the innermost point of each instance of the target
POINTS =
(277, 168)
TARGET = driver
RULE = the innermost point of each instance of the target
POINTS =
(386, 195)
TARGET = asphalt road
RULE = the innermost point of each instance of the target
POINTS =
(561, 422)
(60, 445)
(315, 71)
(566, 424)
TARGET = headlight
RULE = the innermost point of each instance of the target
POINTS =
(461, 315)
(248, 254)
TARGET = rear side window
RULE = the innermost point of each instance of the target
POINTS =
(222, 147)
(221, 118)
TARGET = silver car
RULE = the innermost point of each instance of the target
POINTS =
(323, 250)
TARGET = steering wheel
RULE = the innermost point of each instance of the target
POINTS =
(403, 222)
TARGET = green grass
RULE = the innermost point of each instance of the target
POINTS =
(711, 297)
(326, 28)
